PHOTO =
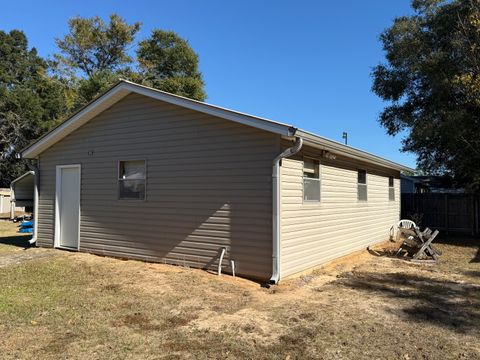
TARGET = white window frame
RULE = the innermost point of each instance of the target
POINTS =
(361, 184)
(319, 180)
(118, 180)
(391, 188)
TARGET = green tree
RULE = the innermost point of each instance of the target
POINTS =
(35, 94)
(92, 46)
(167, 62)
(431, 80)
(30, 101)
(94, 55)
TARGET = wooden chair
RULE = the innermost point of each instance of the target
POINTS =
(419, 244)
(427, 249)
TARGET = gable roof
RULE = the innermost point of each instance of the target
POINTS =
(123, 88)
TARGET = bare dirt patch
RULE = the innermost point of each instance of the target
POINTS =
(365, 306)
(14, 258)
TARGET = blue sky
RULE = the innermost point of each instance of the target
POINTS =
(306, 63)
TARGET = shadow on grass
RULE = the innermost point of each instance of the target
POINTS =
(465, 241)
(17, 240)
(422, 299)
(458, 240)
(476, 259)
(472, 273)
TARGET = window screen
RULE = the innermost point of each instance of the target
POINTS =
(362, 185)
(391, 189)
(311, 180)
(131, 179)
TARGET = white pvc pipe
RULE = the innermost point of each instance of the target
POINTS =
(232, 263)
(221, 260)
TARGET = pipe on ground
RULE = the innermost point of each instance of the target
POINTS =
(222, 254)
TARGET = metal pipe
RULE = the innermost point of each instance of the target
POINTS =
(276, 207)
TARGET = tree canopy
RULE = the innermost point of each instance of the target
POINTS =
(167, 62)
(94, 55)
(92, 45)
(36, 94)
(431, 81)
(30, 101)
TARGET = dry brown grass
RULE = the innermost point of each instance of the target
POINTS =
(6, 216)
(81, 306)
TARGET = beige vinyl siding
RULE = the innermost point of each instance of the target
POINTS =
(313, 233)
(208, 185)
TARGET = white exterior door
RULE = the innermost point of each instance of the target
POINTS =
(67, 225)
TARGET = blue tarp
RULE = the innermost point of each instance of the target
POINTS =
(26, 224)
(26, 227)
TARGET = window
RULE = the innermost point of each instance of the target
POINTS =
(362, 185)
(131, 179)
(311, 180)
(391, 189)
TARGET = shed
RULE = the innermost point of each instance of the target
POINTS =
(5, 196)
(144, 174)
(22, 193)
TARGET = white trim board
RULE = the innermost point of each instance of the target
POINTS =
(124, 88)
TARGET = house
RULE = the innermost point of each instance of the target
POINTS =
(143, 174)
(22, 193)
(429, 184)
(18, 197)
(408, 184)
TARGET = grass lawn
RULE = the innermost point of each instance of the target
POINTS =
(10, 238)
(81, 306)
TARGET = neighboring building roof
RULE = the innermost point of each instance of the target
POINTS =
(124, 88)
(32, 173)
(434, 183)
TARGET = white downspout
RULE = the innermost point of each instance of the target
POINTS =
(276, 208)
(36, 175)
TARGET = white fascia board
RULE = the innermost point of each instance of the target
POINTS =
(122, 89)
(80, 118)
(348, 151)
(236, 116)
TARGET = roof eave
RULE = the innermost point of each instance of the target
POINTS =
(122, 89)
(82, 116)
(348, 151)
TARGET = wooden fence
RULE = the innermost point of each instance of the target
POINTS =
(456, 213)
